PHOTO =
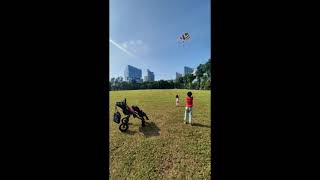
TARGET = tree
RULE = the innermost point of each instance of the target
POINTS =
(171, 84)
(161, 84)
(112, 80)
(119, 79)
(112, 83)
(194, 85)
(199, 74)
(180, 82)
(208, 68)
(149, 85)
(208, 85)
(143, 85)
(123, 85)
(189, 78)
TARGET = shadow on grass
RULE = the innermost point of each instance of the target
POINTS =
(131, 124)
(129, 132)
(200, 125)
(151, 129)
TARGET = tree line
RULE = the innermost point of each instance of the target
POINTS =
(201, 80)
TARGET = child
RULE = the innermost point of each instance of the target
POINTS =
(177, 100)
(188, 111)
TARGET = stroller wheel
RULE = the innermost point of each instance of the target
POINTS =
(123, 127)
(125, 120)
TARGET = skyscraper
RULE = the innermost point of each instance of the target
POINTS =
(149, 76)
(132, 74)
(178, 75)
(188, 70)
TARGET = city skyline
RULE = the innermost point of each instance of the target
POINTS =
(182, 72)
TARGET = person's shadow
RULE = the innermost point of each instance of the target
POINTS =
(150, 129)
(200, 125)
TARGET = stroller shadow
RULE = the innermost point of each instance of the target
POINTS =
(200, 125)
(130, 132)
(151, 129)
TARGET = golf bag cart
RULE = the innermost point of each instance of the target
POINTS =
(134, 111)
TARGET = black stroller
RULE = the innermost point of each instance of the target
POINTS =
(134, 111)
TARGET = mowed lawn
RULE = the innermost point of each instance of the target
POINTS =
(165, 148)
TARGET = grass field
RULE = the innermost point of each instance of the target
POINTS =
(165, 148)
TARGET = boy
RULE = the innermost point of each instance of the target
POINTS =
(188, 111)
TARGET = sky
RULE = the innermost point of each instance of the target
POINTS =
(144, 34)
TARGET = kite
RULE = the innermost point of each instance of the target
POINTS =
(184, 37)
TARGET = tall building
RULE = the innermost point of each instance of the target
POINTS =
(150, 75)
(132, 74)
(178, 75)
(188, 70)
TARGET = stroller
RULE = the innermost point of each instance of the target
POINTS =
(134, 111)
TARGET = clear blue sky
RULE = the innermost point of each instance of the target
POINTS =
(144, 34)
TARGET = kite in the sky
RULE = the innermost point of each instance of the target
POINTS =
(184, 37)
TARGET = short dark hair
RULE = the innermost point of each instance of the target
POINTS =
(177, 96)
(189, 93)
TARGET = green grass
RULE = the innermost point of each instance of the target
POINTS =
(165, 148)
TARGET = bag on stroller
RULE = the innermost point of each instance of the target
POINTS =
(116, 117)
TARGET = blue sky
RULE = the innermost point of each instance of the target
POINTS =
(144, 34)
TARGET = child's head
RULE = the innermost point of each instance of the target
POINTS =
(177, 96)
(189, 94)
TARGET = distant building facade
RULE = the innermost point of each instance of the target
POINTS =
(132, 74)
(149, 76)
(188, 70)
(178, 75)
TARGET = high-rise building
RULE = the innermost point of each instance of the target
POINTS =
(132, 74)
(178, 75)
(188, 70)
(149, 76)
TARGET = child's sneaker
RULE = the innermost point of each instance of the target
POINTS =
(185, 122)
